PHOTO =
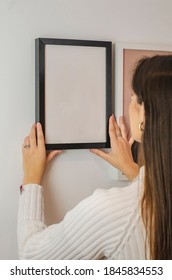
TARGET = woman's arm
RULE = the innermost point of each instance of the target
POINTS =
(98, 227)
(70, 239)
(78, 236)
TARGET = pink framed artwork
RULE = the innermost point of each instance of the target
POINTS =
(127, 56)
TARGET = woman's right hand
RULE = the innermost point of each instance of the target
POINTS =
(120, 156)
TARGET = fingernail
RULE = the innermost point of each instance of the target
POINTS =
(38, 125)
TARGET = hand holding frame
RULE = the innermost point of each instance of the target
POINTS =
(120, 156)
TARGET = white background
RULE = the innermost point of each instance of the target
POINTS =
(75, 174)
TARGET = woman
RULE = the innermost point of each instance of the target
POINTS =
(120, 223)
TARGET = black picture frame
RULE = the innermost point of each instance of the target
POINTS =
(43, 47)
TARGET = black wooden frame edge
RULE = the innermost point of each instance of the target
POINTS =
(40, 87)
(74, 42)
(108, 90)
(68, 146)
(39, 81)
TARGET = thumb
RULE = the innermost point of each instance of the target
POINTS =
(52, 155)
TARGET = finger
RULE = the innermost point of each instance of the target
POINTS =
(32, 136)
(26, 142)
(117, 128)
(131, 141)
(112, 131)
(115, 123)
(123, 128)
(52, 155)
(40, 136)
(100, 153)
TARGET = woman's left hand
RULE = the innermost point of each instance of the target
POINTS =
(120, 155)
(35, 159)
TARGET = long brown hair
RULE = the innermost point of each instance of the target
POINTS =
(152, 83)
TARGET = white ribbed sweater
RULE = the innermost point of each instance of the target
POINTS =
(106, 225)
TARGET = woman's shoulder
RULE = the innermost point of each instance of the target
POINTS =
(115, 201)
(132, 188)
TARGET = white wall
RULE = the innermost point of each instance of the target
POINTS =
(75, 174)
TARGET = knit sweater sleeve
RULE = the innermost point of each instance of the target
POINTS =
(76, 237)
(87, 232)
